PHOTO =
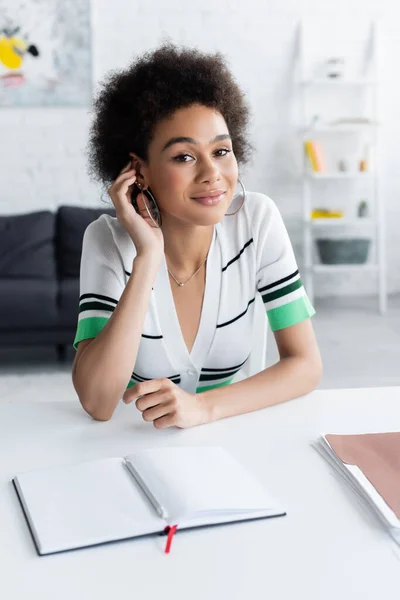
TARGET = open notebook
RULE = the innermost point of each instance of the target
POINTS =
(143, 493)
(370, 465)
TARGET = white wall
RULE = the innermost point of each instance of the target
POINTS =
(42, 150)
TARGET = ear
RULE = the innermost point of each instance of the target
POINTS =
(140, 167)
(135, 160)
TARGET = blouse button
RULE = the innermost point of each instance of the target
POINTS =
(191, 372)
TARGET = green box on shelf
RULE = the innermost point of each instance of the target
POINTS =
(350, 251)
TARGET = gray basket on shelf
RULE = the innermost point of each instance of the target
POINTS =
(349, 251)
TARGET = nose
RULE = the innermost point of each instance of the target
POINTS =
(208, 170)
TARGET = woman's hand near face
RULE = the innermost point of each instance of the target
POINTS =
(166, 405)
(147, 238)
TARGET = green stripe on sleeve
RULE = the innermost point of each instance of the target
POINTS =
(290, 314)
(213, 387)
(89, 328)
(287, 289)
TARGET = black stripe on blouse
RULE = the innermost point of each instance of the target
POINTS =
(217, 376)
(99, 297)
(226, 369)
(139, 378)
(238, 317)
(152, 337)
(239, 255)
(272, 285)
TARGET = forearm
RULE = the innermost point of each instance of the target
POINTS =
(104, 369)
(290, 378)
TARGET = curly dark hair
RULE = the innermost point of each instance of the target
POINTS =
(132, 101)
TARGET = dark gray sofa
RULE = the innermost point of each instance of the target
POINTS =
(40, 256)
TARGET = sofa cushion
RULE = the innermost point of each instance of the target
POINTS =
(71, 224)
(27, 304)
(68, 302)
(27, 246)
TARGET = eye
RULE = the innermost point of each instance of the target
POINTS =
(181, 156)
(223, 150)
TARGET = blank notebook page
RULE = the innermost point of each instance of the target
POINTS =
(88, 503)
(189, 481)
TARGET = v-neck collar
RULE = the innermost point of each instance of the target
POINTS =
(168, 318)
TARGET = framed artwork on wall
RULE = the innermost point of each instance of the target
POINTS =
(45, 53)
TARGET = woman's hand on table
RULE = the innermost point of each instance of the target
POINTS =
(166, 405)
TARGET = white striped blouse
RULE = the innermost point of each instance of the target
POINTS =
(250, 254)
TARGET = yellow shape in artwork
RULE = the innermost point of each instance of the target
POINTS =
(12, 50)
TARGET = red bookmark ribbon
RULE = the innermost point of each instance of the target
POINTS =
(171, 532)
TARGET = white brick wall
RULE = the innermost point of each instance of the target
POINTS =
(42, 150)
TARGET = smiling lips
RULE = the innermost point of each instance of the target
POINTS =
(211, 199)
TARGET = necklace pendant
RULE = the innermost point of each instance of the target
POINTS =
(181, 284)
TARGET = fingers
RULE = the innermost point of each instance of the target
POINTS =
(145, 402)
(144, 212)
(151, 414)
(121, 187)
(121, 195)
(120, 192)
(165, 421)
(143, 388)
(127, 173)
(122, 180)
(130, 166)
(141, 204)
(155, 400)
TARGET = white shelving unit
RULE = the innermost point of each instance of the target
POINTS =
(338, 82)
(338, 175)
(375, 223)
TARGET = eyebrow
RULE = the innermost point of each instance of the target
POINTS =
(189, 140)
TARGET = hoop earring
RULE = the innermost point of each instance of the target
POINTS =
(157, 216)
(243, 201)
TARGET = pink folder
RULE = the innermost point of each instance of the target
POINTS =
(377, 455)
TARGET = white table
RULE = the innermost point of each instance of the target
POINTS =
(326, 547)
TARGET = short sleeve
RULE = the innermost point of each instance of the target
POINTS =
(278, 277)
(102, 279)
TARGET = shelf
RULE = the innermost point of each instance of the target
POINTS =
(339, 175)
(324, 81)
(343, 128)
(340, 222)
(320, 268)
(333, 113)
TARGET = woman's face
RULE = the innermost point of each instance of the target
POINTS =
(191, 156)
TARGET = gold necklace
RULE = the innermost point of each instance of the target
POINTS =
(180, 283)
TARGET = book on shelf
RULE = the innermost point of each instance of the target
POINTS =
(315, 154)
(324, 213)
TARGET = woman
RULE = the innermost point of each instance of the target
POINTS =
(167, 293)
